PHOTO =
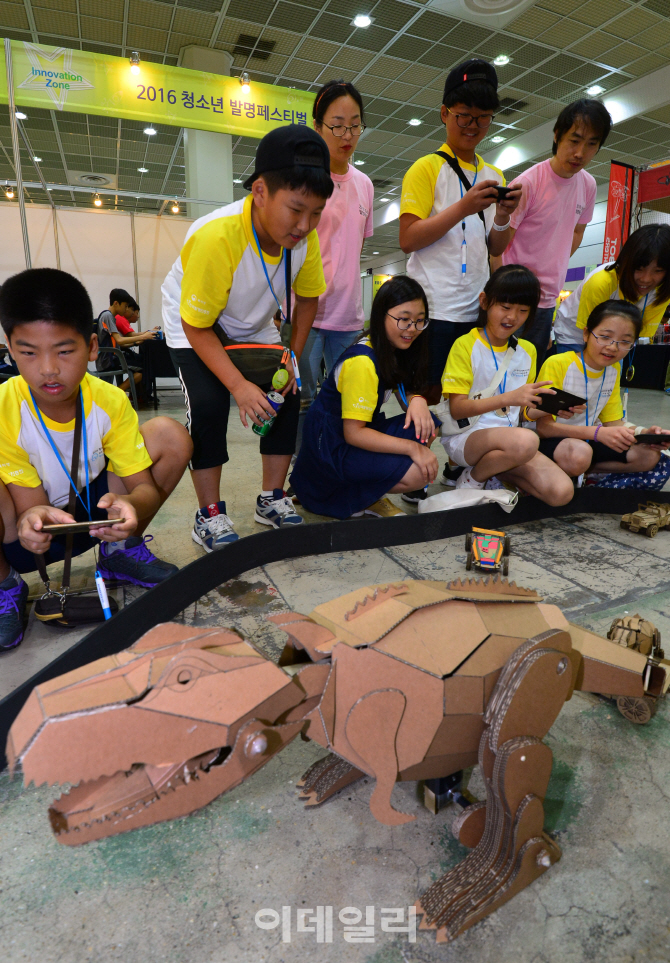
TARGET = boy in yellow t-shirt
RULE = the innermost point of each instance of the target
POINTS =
(450, 227)
(125, 472)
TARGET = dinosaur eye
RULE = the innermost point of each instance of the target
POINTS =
(184, 677)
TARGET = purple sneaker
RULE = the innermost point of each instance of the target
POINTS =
(134, 563)
(13, 596)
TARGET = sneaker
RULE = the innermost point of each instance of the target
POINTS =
(213, 529)
(13, 596)
(465, 480)
(450, 476)
(277, 510)
(414, 498)
(384, 508)
(134, 563)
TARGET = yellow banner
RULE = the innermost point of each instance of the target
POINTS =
(59, 78)
(377, 281)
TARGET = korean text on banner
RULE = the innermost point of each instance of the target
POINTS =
(617, 220)
(59, 78)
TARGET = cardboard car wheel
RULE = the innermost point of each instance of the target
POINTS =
(468, 561)
(636, 709)
(468, 541)
(505, 566)
(652, 531)
(506, 548)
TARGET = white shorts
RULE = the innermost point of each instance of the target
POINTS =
(454, 445)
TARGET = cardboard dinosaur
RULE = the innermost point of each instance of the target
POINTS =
(400, 682)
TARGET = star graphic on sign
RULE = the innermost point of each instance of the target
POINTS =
(51, 71)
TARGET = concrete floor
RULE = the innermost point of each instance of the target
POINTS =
(189, 890)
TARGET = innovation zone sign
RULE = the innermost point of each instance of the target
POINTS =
(90, 83)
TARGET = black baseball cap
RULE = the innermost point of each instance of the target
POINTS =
(471, 70)
(283, 147)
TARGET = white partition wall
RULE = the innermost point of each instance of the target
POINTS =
(97, 247)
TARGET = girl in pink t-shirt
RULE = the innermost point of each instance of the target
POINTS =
(344, 225)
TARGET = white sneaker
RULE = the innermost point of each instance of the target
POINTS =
(465, 480)
(213, 529)
(277, 510)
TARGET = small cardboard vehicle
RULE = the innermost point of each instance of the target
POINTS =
(649, 518)
(634, 632)
(487, 550)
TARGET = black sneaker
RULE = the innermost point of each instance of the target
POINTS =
(13, 596)
(414, 498)
(450, 476)
(134, 563)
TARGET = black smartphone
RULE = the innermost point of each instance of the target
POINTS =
(647, 439)
(561, 401)
(74, 528)
(503, 192)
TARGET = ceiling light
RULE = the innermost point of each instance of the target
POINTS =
(237, 180)
(362, 20)
(384, 200)
(150, 131)
(359, 163)
(20, 115)
(501, 60)
(375, 252)
(37, 160)
(497, 139)
(595, 90)
(143, 170)
(175, 208)
(97, 200)
(134, 62)
(245, 83)
(414, 122)
(9, 192)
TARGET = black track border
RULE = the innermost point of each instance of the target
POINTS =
(165, 601)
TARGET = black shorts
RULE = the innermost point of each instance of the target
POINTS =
(600, 452)
(208, 407)
(24, 561)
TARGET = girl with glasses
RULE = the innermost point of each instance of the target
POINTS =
(345, 223)
(595, 436)
(495, 445)
(352, 455)
(640, 274)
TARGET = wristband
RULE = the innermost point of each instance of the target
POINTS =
(502, 227)
(595, 437)
(639, 430)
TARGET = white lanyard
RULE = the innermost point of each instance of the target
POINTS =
(586, 392)
(464, 244)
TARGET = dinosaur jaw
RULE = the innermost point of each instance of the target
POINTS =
(150, 794)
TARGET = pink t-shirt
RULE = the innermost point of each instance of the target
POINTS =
(545, 220)
(345, 222)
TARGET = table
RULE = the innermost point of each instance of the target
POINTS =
(156, 363)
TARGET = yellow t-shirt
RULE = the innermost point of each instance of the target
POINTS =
(219, 278)
(428, 188)
(566, 371)
(357, 381)
(471, 367)
(604, 285)
(112, 432)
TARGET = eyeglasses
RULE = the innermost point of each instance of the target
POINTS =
(619, 345)
(339, 130)
(464, 120)
(404, 324)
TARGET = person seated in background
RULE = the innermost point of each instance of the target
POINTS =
(351, 453)
(121, 305)
(595, 436)
(640, 274)
(558, 200)
(127, 471)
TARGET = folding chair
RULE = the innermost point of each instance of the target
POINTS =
(123, 371)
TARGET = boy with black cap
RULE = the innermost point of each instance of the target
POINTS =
(231, 273)
(451, 217)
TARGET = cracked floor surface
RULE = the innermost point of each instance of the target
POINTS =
(189, 890)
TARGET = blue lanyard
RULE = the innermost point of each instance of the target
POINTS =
(501, 387)
(403, 395)
(464, 245)
(586, 391)
(86, 505)
(265, 271)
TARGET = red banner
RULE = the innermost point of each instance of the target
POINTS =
(653, 184)
(617, 221)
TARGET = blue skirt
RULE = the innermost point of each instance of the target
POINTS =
(334, 478)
